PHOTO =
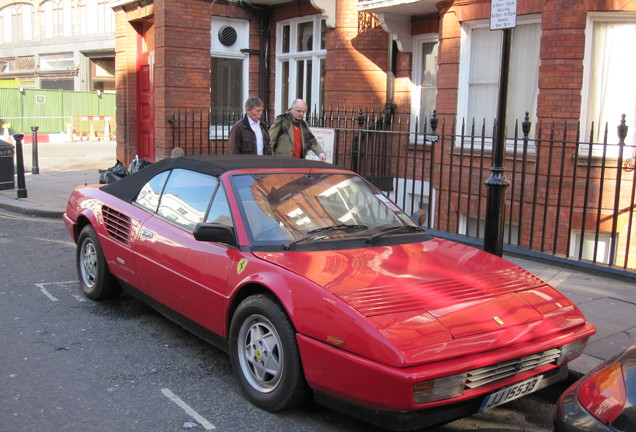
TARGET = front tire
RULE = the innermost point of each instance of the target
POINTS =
(95, 279)
(265, 356)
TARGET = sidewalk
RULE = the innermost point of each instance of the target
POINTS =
(608, 302)
(62, 166)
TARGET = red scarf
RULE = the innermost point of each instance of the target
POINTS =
(298, 142)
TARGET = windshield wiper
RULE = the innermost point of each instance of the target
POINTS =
(395, 230)
(313, 234)
(339, 227)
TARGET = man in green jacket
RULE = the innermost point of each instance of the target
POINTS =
(289, 135)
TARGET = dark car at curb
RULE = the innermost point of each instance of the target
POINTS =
(603, 400)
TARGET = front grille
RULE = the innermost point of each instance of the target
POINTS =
(487, 374)
(117, 224)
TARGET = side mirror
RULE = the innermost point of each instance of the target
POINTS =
(419, 217)
(212, 232)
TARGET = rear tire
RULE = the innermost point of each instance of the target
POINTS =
(265, 356)
(95, 279)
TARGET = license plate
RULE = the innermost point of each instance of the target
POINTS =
(510, 393)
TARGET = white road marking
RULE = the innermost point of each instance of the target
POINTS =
(63, 284)
(558, 278)
(45, 292)
(184, 406)
(78, 297)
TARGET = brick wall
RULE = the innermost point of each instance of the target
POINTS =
(562, 52)
(356, 60)
(182, 63)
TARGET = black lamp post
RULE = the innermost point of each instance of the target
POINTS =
(497, 183)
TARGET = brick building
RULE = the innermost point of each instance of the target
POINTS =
(444, 57)
(57, 44)
(569, 63)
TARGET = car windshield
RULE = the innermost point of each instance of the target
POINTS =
(288, 209)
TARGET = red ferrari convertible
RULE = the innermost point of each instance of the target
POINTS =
(318, 285)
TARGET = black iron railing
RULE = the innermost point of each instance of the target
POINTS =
(568, 199)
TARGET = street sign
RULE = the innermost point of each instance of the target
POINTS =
(325, 138)
(503, 14)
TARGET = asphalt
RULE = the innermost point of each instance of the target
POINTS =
(608, 301)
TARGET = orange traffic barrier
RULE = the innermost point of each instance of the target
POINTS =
(90, 128)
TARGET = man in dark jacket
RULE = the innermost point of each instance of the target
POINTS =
(250, 134)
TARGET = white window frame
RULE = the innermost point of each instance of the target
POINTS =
(234, 52)
(603, 249)
(97, 17)
(612, 120)
(415, 196)
(57, 62)
(416, 88)
(468, 227)
(22, 14)
(5, 25)
(464, 77)
(317, 57)
(56, 19)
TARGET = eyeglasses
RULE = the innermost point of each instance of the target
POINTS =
(299, 111)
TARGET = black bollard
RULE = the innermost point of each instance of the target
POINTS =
(22, 192)
(35, 167)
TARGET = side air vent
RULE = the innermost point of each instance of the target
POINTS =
(227, 36)
(117, 224)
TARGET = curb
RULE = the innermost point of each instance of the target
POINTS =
(44, 212)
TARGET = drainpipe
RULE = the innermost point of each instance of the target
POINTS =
(264, 15)
(264, 31)
(391, 60)
(261, 47)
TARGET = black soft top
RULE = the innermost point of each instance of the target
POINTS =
(128, 187)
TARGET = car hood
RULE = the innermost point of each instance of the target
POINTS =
(435, 290)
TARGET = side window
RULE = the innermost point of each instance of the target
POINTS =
(186, 197)
(148, 197)
(220, 210)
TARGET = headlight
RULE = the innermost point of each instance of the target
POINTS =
(571, 351)
(439, 388)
